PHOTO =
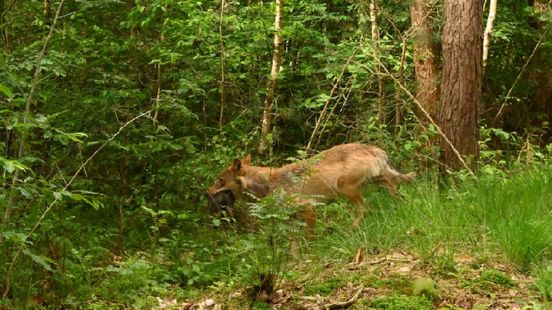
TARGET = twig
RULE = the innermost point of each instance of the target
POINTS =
(343, 304)
(322, 114)
(331, 113)
(52, 204)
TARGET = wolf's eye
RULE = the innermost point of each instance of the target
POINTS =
(220, 182)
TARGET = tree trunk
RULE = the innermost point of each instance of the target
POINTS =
(488, 31)
(46, 8)
(425, 60)
(266, 124)
(375, 42)
(462, 78)
(222, 65)
(3, 26)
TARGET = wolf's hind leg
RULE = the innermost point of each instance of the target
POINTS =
(350, 188)
(308, 215)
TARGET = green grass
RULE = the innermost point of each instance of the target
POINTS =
(510, 214)
(500, 219)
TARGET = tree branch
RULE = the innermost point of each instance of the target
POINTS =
(53, 203)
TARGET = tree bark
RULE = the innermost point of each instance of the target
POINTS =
(425, 60)
(266, 123)
(488, 31)
(462, 79)
(375, 42)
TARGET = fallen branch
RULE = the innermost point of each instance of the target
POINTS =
(344, 304)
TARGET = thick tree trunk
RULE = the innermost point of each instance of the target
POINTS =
(425, 60)
(462, 78)
(266, 124)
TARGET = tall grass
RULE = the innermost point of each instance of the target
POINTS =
(511, 214)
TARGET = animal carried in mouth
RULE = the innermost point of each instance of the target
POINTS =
(338, 171)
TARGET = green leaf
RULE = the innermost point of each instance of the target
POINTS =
(216, 222)
(17, 237)
(94, 203)
(57, 195)
(6, 91)
(43, 261)
(11, 165)
(149, 210)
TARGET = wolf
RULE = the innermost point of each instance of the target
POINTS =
(338, 171)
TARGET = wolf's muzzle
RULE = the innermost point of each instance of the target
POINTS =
(221, 201)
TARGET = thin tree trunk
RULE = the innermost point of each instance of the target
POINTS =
(398, 111)
(46, 8)
(488, 31)
(266, 124)
(222, 65)
(462, 79)
(3, 26)
(425, 60)
(375, 42)
(30, 97)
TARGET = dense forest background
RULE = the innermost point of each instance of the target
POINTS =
(115, 117)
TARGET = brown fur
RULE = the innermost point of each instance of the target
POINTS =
(338, 171)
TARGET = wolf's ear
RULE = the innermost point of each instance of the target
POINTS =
(247, 160)
(236, 165)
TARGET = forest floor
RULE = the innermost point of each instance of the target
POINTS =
(396, 280)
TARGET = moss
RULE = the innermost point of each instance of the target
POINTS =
(400, 302)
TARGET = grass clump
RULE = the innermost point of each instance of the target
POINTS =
(497, 277)
(543, 282)
(516, 212)
(490, 280)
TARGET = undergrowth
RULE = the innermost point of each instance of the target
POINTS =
(500, 217)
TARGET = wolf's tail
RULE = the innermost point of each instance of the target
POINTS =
(400, 177)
